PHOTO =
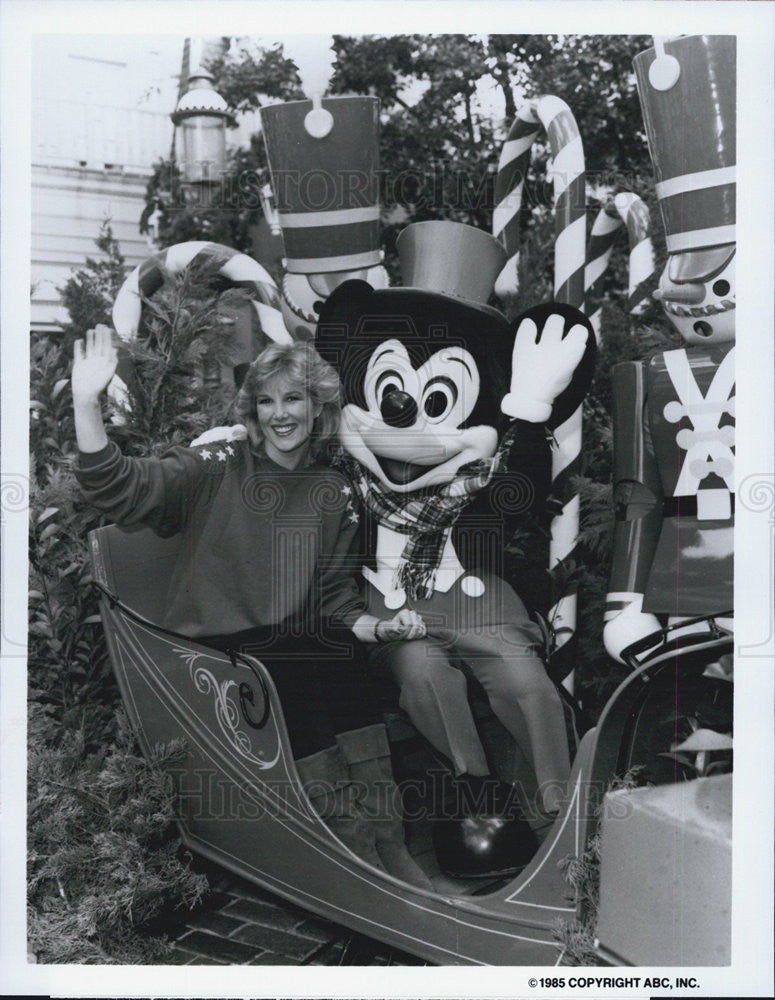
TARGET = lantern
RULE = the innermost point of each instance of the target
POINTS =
(202, 115)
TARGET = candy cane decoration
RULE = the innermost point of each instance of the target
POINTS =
(237, 268)
(569, 183)
(601, 244)
(643, 267)
(628, 210)
(509, 187)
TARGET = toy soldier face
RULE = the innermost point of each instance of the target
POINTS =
(703, 309)
(303, 295)
(408, 434)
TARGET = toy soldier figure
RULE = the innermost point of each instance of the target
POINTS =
(324, 162)
(674, 415)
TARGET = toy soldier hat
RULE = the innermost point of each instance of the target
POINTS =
(688, 98)
(451, 259)
(326, 186)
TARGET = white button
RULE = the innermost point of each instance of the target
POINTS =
(664, 72)
(394, 599)
(472, 586)
(318, 122)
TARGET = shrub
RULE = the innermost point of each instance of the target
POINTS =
(88, 294)
(582, 873)
(67, 661)
(103, 849)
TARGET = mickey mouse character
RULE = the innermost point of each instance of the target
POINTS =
(437, 438)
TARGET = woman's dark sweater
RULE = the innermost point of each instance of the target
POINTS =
(262, 545)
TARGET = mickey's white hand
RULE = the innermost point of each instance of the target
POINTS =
(407, 624)
(237, 432)
(541, 369)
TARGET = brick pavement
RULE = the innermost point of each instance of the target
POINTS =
(240, 924)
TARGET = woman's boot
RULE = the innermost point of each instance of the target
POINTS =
(367, 753)
(326, 780)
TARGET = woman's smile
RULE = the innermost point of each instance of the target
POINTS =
(284, 430)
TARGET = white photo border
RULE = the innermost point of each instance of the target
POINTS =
(751, 971)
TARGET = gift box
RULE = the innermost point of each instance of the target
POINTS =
(666, 874)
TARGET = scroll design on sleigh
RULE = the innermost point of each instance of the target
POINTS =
(227, 711)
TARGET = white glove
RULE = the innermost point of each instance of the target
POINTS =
(628, 626)
(238, 432)
(541, 370)
(407, 624)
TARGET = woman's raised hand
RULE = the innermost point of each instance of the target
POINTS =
(94, 364)
(406, 625)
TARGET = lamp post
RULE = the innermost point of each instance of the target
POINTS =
(202, 116)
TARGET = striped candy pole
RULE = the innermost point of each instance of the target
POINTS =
(599, 249)
(628, 210)
(239, 269)
(509, 188)
(643, 268)
(552, 115)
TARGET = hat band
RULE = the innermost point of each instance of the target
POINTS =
(700, 238)
(696, 182)
(344, 262)
(338, 217)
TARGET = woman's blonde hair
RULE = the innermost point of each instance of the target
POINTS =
(303, 368)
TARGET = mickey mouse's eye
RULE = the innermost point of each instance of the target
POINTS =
(388, 379)
(439, 397)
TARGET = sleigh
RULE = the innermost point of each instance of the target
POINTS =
(242, 806)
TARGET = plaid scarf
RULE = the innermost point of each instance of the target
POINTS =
(426, 516)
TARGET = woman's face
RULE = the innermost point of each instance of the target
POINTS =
(286, 415)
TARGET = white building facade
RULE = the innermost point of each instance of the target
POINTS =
(101, 109)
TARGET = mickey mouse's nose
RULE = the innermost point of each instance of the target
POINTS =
(398, 408)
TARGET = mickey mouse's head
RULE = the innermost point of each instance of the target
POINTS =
(425, 367)
(423, 376)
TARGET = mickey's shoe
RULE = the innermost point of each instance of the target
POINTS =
(483, 832)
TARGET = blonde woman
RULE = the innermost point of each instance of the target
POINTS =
(265, 565)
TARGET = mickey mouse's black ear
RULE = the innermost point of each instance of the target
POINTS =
(573, 395)
(336, 335)
(343, 308)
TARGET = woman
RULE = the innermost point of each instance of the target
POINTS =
(264, 568)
